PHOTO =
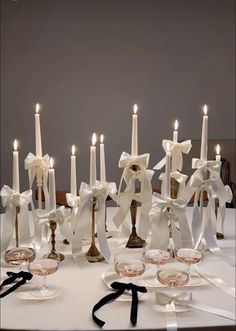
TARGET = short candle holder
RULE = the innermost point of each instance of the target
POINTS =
(54, 254)
(93, 254)
(134, 240)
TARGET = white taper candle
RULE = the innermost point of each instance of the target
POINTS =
(73, 179)
(93, 165)
(204, 140)
(102, 160)
(15, 177)
(134, 141)
(167, 172)
(52, 185)
(175, 132)
(38, 142)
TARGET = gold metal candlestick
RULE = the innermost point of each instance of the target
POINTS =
(93, 254)
(54, 254)
(134, 240)
(219, 235)
(17, 226)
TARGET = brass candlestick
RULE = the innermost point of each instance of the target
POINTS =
(54, 254)
(134, 240)
(219, 235)
(17, 226)
(93, 254)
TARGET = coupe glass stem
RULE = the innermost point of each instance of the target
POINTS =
(44, 287)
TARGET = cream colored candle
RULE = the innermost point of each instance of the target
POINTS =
(102, 160)
(134, 142)
(73, 179)
(38, 142)
(175, 132)
(204, 140)
(15, 177)
(93, 165)
(52, 185)
(167, 186)
(218, 156)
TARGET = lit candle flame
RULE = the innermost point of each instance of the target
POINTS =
(168, 147)
(73, 150)
(37, 107)
(205, 110)
(94, 139)
(218, 149)
(135, 108)
(101, 138)
(51, 162)
(176, 125)
(15, 145)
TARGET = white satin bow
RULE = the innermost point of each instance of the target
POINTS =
(84, 215)
(38, 166)
(177, 149)
(125, 198)
(206, 224)
(60, 215)
(165, 210)
(12, 199)
(180, 178)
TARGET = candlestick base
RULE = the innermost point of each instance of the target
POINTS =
(93, 255)
(54, 254)
(134, 240)
(219, 235)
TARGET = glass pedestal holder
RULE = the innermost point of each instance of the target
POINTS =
(134, 240)
(54, 254)
(17, 226)
(93, 254)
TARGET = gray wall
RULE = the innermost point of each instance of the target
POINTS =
(88, 61)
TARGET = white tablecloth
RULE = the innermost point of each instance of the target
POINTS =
(80, 287)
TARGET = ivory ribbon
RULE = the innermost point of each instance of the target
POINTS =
(205, 225)
(160, 218)
(217, 282)
(185, 299)
(60, 215)
(73, 201)
(84, 216)
(12, 199)
(38, 166)
(125, 198)
(180, 178)
(176, 153)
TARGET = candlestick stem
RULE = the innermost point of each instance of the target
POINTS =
(17, 226)
(134, 240)
(54, 254)
(93, 254)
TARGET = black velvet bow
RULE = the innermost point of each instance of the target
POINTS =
(12, 276)
(120, 288)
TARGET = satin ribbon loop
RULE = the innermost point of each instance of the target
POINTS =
(177, 149)
(84, 215)
(125, 198)
(120, 289)
(10, 200)
(163, 212)
(72, 200)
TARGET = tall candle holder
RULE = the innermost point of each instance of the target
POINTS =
(174, 188)
(93, 254)
(54, 254)
(134, 240)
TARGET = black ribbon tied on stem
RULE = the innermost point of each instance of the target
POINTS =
(12, 276)
(120, 289)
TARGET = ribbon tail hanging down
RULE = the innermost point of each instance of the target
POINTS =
(160, 230)
(197, 222)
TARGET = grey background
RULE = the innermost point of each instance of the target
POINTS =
(88, 61)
